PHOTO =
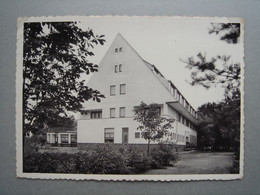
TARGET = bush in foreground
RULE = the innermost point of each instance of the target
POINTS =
(102, 160)
(163, 156)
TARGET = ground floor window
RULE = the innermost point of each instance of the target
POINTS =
(64, 138)
(109, 135)
(137, 135)
(73, 138)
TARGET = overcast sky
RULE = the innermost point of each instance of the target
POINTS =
(163, 41)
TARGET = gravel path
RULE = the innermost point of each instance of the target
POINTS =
(199, 163)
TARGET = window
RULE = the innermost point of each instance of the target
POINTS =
(120, 67)
(122, 112)
(112, 112)
(178, 96)
(120, 49)
(112, 90)
(122, 89)
(116, 50)
(109, 135)
(73, 138)
(115, 68)
(64, 138)
(137, 135)
(96, 114)
(173, 91)
(179, 117)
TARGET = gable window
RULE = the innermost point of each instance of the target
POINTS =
(122, 112)
(137, 135)
(112, 112)
(120, 49)
(96, 114)
(115, 68)
(120, 67)
(122, 89)
(116, 50)
(112, 90)
(109, 135)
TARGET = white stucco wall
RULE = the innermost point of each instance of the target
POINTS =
(92, 131)
(142, 84)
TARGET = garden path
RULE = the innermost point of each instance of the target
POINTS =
(199, 163)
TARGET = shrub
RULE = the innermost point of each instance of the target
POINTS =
(106, 160)
(83, 164)
(42, 139)
(102, 160)
(29, 145)
(164, 155)
(49, 163)
(137, 160)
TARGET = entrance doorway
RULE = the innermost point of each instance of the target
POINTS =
(124, 135)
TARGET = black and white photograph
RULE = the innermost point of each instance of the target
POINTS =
(137, 98)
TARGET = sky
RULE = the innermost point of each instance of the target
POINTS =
(165, 42)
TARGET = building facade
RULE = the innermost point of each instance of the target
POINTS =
(61, 136)
(126, 80)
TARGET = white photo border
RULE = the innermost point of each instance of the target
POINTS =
(107, 177)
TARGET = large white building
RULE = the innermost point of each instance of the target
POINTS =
(126, 80)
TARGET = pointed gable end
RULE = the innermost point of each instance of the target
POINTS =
(122, 68)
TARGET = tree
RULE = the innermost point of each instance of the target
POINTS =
(220, 122)
(219, 69)
(219, 125)
(56, 55)
(230, 31)
(152, 125)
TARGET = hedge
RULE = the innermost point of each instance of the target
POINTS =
(102, 160)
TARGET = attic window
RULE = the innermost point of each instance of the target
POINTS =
(116, 50)
(120, 49)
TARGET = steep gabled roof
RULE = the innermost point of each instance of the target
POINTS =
(156, 72)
